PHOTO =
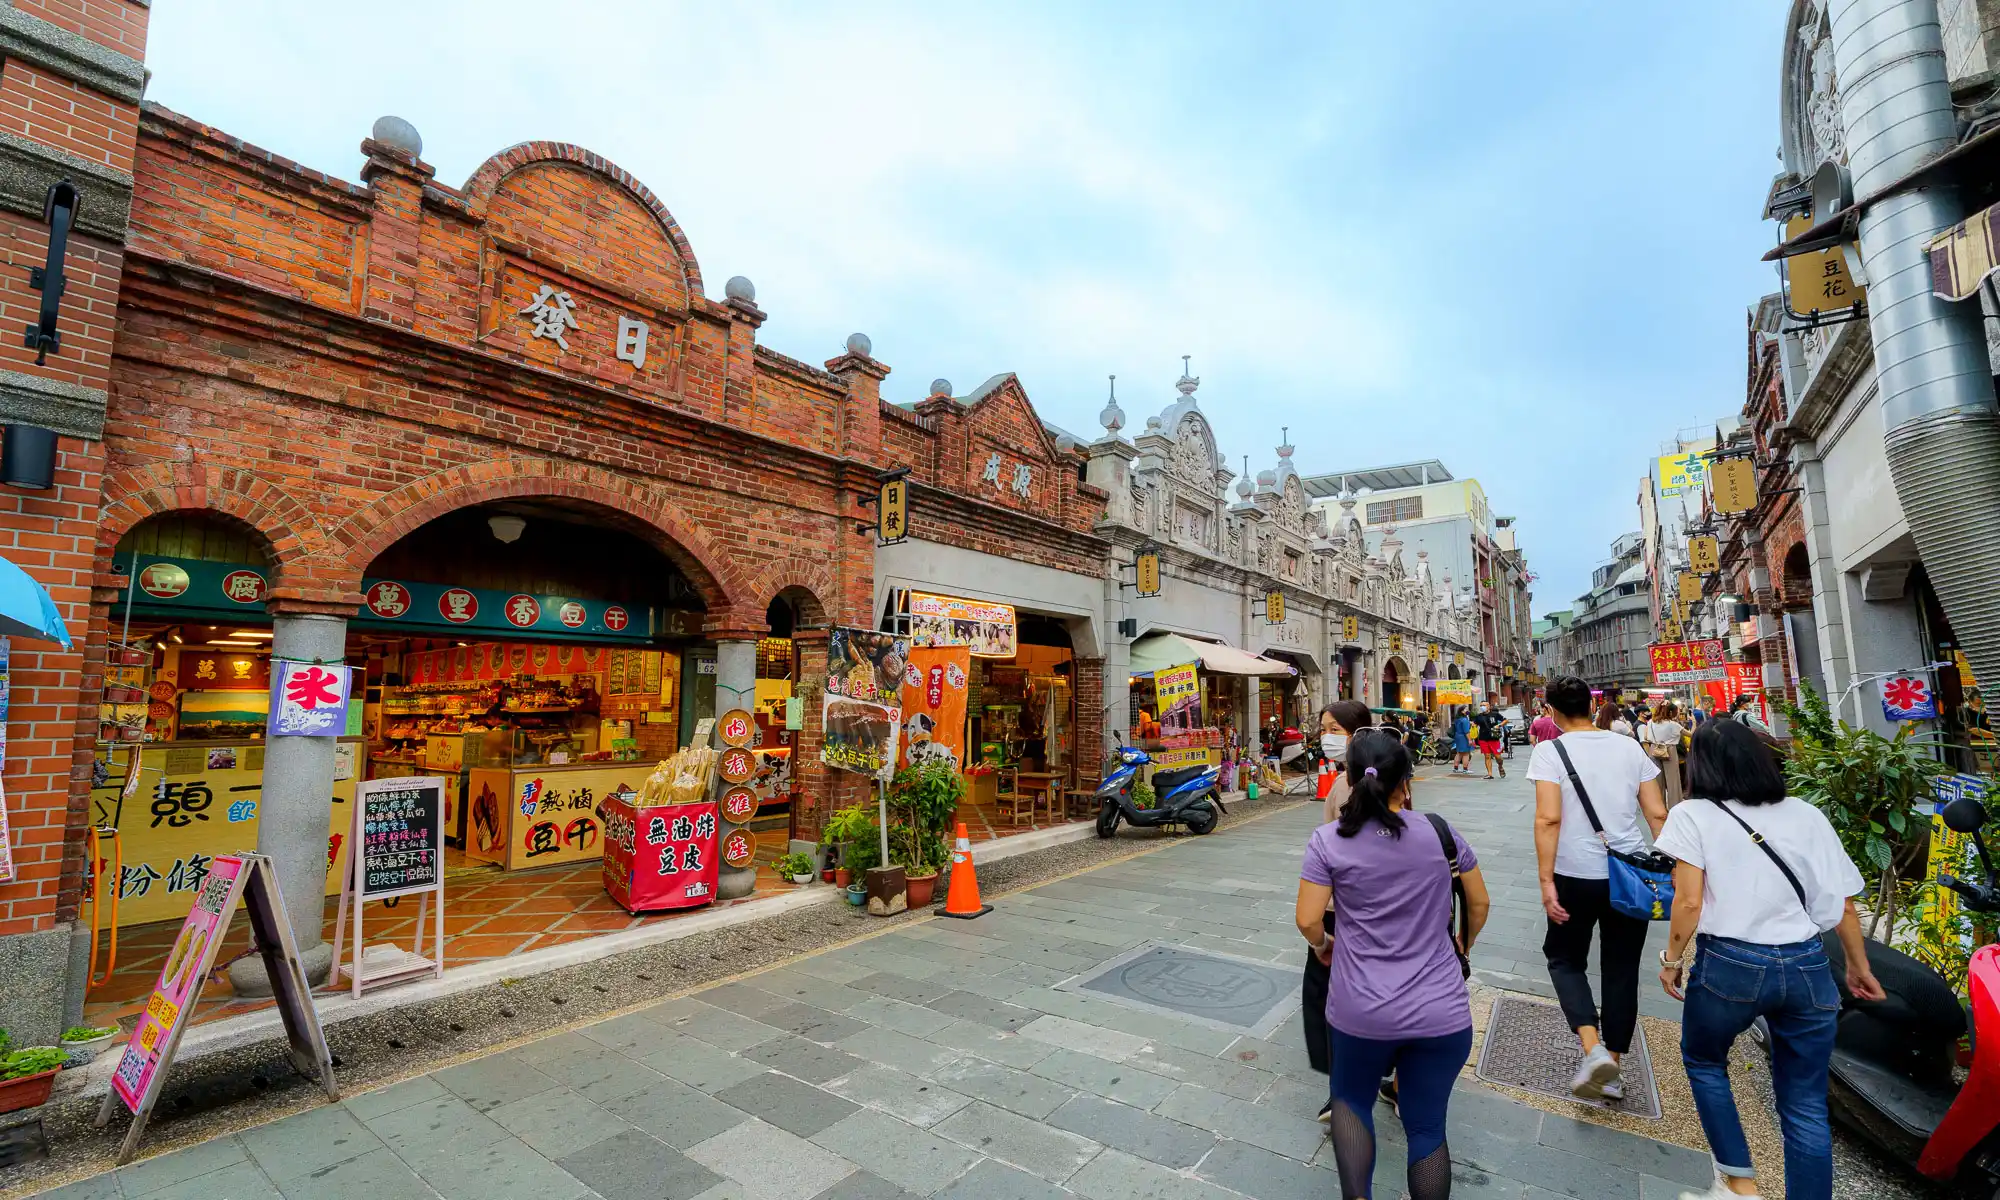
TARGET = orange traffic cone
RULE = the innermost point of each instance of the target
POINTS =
(962, 901)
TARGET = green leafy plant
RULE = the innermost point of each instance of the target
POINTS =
(846, 825)
(922, 800)
(6, 1041)
(794, 864)
(87, 1033)
(20, 1064)
(1143, 796)
(1870, 787)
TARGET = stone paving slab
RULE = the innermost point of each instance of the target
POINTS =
(936, 1061)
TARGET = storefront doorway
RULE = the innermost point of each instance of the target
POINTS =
(534, 655)
(1392, 683)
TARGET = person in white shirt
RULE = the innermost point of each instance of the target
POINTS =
(1623, 784)
(1661, 738)
(1754, 907)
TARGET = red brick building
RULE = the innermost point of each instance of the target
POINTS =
(317, 385)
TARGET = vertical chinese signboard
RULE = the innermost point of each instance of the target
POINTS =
(861, 708)
(142, 1068)
(1149, 572)
(1704, 555)
(1688, 662)
(1177, 691)
(934, 702)
(1734, 485)
(1817, 283)
(892, 502)
(1274, 608)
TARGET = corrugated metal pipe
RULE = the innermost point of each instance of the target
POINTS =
(1938, 410)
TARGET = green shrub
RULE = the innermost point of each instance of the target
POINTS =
(33, 1061)
(87, 1033)
(794, 864)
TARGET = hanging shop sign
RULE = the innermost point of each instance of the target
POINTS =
(1432, 651)
(1908, 698)
(1704, 555)
(1688, 662)
(1149, 572)
(1458, 658)
(1734, 483)
(739, 848)
(862, 664)
(661, 856)
(1454, 691)
(861, 709)
(935, 692)
(195, 588)
(736, 727)
(1680, 473)
(739, 804)
(1395, 643)
(169, 1010)
(858, 736)
(308, 700)
(1177, 692)
(892, 504)
(988, 630)
(1690, 587)
(1818, 284)
(1350, 629)
(1274, 608)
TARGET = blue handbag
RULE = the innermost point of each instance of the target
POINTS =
(1642, 885)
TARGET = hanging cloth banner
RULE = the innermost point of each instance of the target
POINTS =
(935, 688)
(6, 834)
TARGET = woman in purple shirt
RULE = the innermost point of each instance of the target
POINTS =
(1396, 1000)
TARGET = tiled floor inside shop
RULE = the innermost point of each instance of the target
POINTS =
(488, 914)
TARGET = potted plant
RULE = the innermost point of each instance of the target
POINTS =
(27, 1077)
(845, 829)
(796, 867)
(924, 798)
(1143, 795)
(85, 1042)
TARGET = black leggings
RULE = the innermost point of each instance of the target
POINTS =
(1622, 944)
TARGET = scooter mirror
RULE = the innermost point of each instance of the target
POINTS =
(1965, 815)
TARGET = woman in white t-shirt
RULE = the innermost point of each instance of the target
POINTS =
(1661, 738)
(1754, 908)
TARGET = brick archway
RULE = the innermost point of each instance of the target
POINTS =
(638, 509)
(288, 528)
(814, 579)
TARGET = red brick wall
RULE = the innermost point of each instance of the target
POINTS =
(47, 108)
(118, 24)
(52, 713)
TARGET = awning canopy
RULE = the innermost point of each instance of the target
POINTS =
(26, 609)
(1157, 651)
(1963, 256)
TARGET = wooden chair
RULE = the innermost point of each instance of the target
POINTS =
(1080, 802)
(1018, 807)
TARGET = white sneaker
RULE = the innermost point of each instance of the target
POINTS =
(1613, 1091)
(1597, 1069)
(1718, 1191)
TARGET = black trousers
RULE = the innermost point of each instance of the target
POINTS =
(1312, 1007)
(1622, 942)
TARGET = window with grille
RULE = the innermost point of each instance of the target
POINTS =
(1408, 508)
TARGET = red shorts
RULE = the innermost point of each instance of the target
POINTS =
(1489, 747)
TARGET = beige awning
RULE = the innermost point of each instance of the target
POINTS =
(1963, 256)
(1157, 651)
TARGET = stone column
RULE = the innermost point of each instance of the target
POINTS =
(1114, 697)
(292, 809)
(735, 687)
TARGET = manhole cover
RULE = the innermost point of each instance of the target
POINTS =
(1530, 1046)
(1238, 995)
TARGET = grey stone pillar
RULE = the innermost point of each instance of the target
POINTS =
(294, 806)
(1116, 696)
(735, 687)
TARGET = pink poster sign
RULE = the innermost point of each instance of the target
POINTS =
(181, 977)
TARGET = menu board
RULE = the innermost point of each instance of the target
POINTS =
(402, 832)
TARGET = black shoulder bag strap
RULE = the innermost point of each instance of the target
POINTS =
(1464, 917)
(1797, 887)
(1576, 781)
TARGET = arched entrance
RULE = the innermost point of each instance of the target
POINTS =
(1395, 672)
(1801, 622)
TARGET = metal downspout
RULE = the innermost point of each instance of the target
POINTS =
(1942, 427)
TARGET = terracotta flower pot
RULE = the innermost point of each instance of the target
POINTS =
(921, 888)
(29, 1091)
(843, 876)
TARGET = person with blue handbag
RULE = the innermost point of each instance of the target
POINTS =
(1593, 790)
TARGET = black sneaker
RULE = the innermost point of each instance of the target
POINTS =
(1388, 1093)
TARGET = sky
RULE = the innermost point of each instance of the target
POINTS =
(1520, 238)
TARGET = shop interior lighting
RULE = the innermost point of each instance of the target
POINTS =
(238, 645)
(253, 634)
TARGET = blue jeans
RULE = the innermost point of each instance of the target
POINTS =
(1792, 988)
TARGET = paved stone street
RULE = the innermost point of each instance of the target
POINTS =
(944, 1059)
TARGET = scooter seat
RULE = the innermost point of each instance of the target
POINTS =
(1167, 781)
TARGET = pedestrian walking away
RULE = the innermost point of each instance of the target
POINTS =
(1397, 999)
(1491, 721)
(1461, 744)
(1662, 742)
(1761, 876)
(1347, 718)
(1571, 856)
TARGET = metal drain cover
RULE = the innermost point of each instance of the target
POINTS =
(1236, 995)
(1530, 1046)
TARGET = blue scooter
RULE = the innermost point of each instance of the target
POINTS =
(1184, 796)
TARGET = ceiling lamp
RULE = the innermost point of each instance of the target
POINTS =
(506, 526)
